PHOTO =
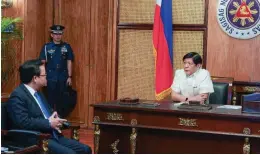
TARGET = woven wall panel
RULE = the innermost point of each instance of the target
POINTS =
(188, 11)
(136, 71)
(135, 64)
(142, 11)
(184, 42)
(136, 11)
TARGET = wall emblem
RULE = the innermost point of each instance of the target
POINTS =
(239, 18)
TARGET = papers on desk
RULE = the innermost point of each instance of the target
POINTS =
(178, 104)
(229, 107)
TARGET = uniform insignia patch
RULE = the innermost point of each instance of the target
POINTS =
(64, 49)
(51, 51)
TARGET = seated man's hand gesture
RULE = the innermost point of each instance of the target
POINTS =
(200, 98)
(56, 122)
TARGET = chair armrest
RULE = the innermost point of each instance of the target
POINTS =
(26, 138)
(28, 133)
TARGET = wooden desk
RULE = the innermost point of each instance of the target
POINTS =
(166, 129)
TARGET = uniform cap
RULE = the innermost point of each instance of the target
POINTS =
(57, 29)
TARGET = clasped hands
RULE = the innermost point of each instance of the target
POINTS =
(56, 122)
(200, 98)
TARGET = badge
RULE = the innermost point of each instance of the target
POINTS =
(51, 51)
(64, 49)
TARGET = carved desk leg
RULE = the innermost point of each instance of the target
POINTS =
(75, 133)
(246, 146)
(45, 146)
(234, 99)
(96, 134)
(114, 146)
(133, 136)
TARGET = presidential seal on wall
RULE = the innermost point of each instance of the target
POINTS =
(239, 18)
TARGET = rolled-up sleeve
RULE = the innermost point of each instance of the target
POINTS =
(176, 82)
(206, 85)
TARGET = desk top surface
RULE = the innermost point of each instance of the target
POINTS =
(172, 107)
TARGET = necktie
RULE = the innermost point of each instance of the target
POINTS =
(45, 111)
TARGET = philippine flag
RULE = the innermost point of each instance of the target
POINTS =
(162, 42)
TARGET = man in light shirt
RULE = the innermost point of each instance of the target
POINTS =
(29, 110)
(192, 83)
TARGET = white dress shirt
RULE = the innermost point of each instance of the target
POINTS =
(195, 84)
(32, 91)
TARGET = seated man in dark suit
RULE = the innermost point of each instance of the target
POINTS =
(29, 110)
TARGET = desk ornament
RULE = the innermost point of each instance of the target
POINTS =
(129, 101)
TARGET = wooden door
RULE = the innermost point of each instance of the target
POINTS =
(89, 29)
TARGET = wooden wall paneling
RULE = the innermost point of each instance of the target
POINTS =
(230, 57)
(36, 17)
(49, 18)
(17, 10)
(112, 35)
(255, 73)
(205, 39)
(34, 28)
(57, 11)
(101, 52)
(75, 16)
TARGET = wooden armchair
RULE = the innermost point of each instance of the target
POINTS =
(20, 141)
(222, 90)
(26, 141)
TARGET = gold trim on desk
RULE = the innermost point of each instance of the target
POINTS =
(234, 96)
(188, 122)
(246, 146)
(251, 89)
(133, 136)
(246, 131)
(114, 146)
(114, 116)
(96, 134)
(76, 134)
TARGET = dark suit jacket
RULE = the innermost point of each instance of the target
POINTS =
(25, 113)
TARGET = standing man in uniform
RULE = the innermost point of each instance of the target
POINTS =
(57, 56)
